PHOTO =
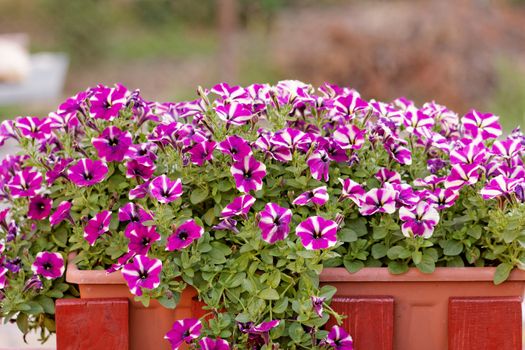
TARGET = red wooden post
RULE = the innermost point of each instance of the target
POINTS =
(484, 323)
(370, 320)
(92, 324)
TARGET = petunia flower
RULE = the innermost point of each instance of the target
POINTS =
(3, 277)
(435, 164)
(274, 222)
(378, 200)
(339, 339)
(142, 168)
(62, 212)
(258, 334)
(39, 207)
(57, 170)
(398, 152)
(462, 175)
(481, 125)
(112, 144)
(227, 224)
(499, 186)
(183, 331)
(349, 137)
(348, 104)
(317, 304)
(202, 152)
(276, 151)
(248, 174)
(25, 183)
(33, 127)
(237, 147)
(142, 272)
(49, 265)
(141, 237)
(416, 120)
(184, 235)
(213, 344)
(419, 221)
(318, 196)
(319, 164)
(234, 113)
(292, 139)
(139, 191)
(87, 172)
(32, 284)
(134, 213)
(163, 189)
(470, 153)
(388, 176)
(317, 232)
(351, 190)
(107, 102)
(97, 226)
(507, 149)
(240, 206)
(443, 198)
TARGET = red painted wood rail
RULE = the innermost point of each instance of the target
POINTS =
(370, 320)
(485, 323)
(85, 324)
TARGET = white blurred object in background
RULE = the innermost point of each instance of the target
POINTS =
(15, 64)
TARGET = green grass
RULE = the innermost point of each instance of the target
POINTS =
(509, 98)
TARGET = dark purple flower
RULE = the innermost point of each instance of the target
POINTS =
(87, 172)
(142, 272)
(14, 265)
(352, 190)
(25, 183)
(317, 233)
(113, 144)
(184, 235)
(240, 206)
(39, 207)
(379, 200)
(107, 102)
(141, 237)
(227, 224)
(49, 265)
(164, 189)
(97, 226)
(318, 196)
(317, 304)
(237, 147)
(419, 220)
(259, 334)
(248, 174)
(319, 164)
(62, 212)
(32, 284)
(274, 222)
(435, 164)
(33, 127)
(234, 113)
(202, 152)
(213, 344)
(339, 339)
(134, 213)
(183, 331)
(349, 137)
(481, 125)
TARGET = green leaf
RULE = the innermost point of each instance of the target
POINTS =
(198, 195)
(22, 322)
(358, 226)
(379, 250)
(427, 264)
(509, 235)
(379, 233)
(398, 252)
(452, 248)
(47, 304)
(353, 265)
(502, 273)
(397, 267)
(169, 303)
(417, 257)
(347, 235)
(296, 332)
(269, 294)
(34, 308)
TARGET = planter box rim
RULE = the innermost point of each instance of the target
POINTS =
(74, 275)
(441, 274)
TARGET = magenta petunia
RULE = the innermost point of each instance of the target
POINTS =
(240, 206)
(419, 220)
(58, 170)
(378, 200)
(106, 103)
(33, 127)
(319, 163)
(349, 137)
(274, 222)
(165, 190)
(352, 190)
(237, 147)
(388, 176)
(248, 174)
(234, 113)
(39, 207)
(112, 144)
(3, 276)
(183, 331)
(134, 213)
(213, 344)
(507, 149)
(62, 212)
(443, 198)
(317, 304)
(398, 152)
(25, 183)
(226, 224)
(202, 152)
(184, 235)
(141, 237)
(87, 172)
(49, 265)
(481, 125)
(292, 139)
(139, 191)
(416, 120)
(97, 226)
(317, 232)
(278, 152)
(348, 104)
(462, 175)
(499, 186)
(468, 153)
(318, 196)
(339, 339)
(142, 168)
(142, 272)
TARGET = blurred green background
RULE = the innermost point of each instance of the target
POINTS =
(464, 54)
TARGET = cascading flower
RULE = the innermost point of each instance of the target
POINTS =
(184, 235)
(226, 224)
(388, 176)
(97, 226)
(62, 212)
(3, 276)
(39, 207)
(248, 174)
(213, 344)
(469, 153)
(398, 152)
(165, 190)
(317, 232)
(351, 190)
(278, 152)
(416, 121)
(349, 137)
(87, 172)
(48, 265)
(237, 147)
(378, 200)
(481, 125)
(184, 331)
(499, 186)
(112, 144)
(292, 139)
(141, 238)
(258, 334)
(419, 220)
(339, 339)
(25, 183)
(142, 272)
(274, 222)
(318, 196)
(240, 206)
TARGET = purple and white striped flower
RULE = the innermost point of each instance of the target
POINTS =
(469, 153)
(107, 102)
(317, 232)
(274, 222)
(234, 113)
(415, 120)
(443, 198)
(49, 265)
(33, 127)
(507, 149)
(319, 163)
(184, 235)
(346, 106)
(248, 174)
(378, 200)
(87, 172)
(481, 125)
(25, 183)
(142, 168)
(462, 175)
(226, 224)
(163, 189)
(97, 226)
(240, 206)
(278, 152)
(388, 176)
(339, 339)
(499, 186)
(398, 152)
(213, 344)
(293, 139)
(62, 212)
(134, 213)
(112, 144)
(352, 190)
(184, 331)
(142, 272)
(419, 220)
(349, 137)
(3, 276)
(141, 238)
(39, 207)
(237, 147)
(318, 196)
(317, 304)
(202, 152)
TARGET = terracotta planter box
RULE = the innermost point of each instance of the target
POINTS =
(454, 308)
(147, 326)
